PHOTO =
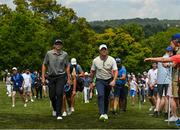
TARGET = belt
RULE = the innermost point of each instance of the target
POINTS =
(56, 76)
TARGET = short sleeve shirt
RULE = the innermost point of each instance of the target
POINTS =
(120, 73)
(152, 76)
(56, 62)
(103, 68)
(176, 58)
(164, 74)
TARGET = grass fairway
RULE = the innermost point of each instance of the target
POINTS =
(37, 115)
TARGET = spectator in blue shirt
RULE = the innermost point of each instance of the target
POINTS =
(119, 90)
(18, 82)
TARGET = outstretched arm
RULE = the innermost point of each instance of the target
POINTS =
(158, 59)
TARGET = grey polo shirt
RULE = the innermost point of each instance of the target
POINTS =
(56, 63)
(103, 68)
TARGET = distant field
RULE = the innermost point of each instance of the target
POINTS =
(38, 116)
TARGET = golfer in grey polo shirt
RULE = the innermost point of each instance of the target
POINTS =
(104, 67)
(56, 61)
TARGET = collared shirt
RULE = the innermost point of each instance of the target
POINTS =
(164, 74)
(56, 62)
(103, 68)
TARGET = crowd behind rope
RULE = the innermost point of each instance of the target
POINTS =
(159, 86)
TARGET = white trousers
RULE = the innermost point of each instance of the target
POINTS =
(86, 94)
(9, 89)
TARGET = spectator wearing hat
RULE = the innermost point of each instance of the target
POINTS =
(56, 61)
(77, 74)
(163, 81)
(102, 67)
(120, 90)
(18, 83)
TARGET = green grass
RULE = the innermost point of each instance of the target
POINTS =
(38, 116)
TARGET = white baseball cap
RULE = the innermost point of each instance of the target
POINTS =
(86, 73)
(73, 61)
(102, 46)
(14, 68)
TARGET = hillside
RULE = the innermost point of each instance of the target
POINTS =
(150, 25)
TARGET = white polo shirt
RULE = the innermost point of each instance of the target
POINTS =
(103, 68)
(152, 76)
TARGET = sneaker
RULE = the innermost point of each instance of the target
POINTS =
(13, 105)
(25, 105)
(64, 114)
(102, 117)
(53, 113)
(156, 114)
(172, 119)
(32, 100)
(106, 116)
(72, 109)
(69, 112)
(59, 118)
(26, 100)
(151, 108)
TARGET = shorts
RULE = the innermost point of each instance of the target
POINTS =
(27, 89)
(111, 94)
(119, 91)
(132, 93)
(161, 88)
(18, 90)
(153, 92)
(69, 93)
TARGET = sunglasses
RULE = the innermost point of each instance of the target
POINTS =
(57, 43)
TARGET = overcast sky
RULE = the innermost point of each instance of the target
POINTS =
(121, 9)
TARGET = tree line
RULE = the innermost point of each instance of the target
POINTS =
(28, 31)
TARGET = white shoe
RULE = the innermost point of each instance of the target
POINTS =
(53, 113)
(64, 114)
(172, 119)
(72, 109)
(26, 100)
(106, 116)
(102, 117)
(25, 105)
(32, 100)
(59, 118)
(13, 105)
(87, 101)
(69, 112)
(151, 108)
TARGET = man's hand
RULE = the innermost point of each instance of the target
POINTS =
(73, 92)
(91, 86)
(147, 59)
(112, 83)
